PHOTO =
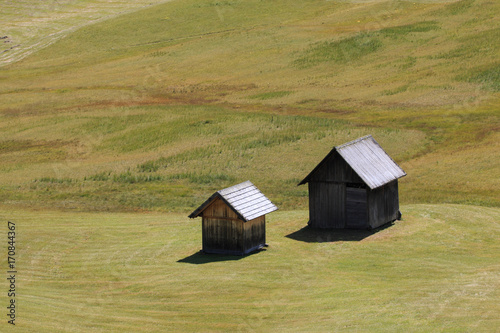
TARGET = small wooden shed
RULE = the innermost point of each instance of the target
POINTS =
(355, 186)
(234, 220)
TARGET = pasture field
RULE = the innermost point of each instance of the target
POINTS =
(29, 26)
(437, 270)
(118, 118)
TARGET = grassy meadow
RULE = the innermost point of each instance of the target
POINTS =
(117, 119)
(437, 270)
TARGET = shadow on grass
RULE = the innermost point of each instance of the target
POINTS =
(201, 257)
(315, 235)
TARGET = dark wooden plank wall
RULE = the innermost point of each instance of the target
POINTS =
(218, 208)
(222, 236)
(255, 233)
(383, 204)
(335, 169)
(356, 208)
(327, 192)
(329, 204)
(222, 231)
(326, 205)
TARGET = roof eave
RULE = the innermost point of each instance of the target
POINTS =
(385, 183)
(197, 212)
(202, 207)
(306, 179)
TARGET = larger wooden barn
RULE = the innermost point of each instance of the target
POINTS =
(354, 186)
(234, 220)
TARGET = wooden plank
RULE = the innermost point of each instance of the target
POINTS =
(222, 218)
(356, 208)
(255, 233)
(326, 205)
(383, 203)
(220, 209)
(222, 235)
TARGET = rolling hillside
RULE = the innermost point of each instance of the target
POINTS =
(226, 90)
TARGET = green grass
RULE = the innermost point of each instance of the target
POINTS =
(352, 49)
(234, 52)
(434, 271)
(396, 90)
(404, 30)
(197, 148)
(489, 77)
(145, 150)
(346, 50)
(459, 7)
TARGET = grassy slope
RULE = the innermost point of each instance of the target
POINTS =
(29, 26)
(134, 90)
(171, 157)
(103, 272)
(401, 53)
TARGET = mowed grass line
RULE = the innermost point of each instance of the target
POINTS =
(104, 272)
(29, 26)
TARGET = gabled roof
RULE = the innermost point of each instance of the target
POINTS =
(370, 162)
(244, 199)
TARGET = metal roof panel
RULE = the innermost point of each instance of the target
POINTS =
(245, 199)
(367, 158)
(370, 161)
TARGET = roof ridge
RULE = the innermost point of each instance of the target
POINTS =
(236, 187)
(240, 206)
(368, 160)
(354, 141)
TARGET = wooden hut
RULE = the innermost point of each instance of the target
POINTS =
(355, 186)
(234, 220)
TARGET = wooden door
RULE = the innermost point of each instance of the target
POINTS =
(356, 208)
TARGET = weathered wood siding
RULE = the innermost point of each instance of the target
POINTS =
(335, 169)
(354, 186)
(222, 236)
(327, 193)
(254, 234)
(326, 205)
(383, 204)
(223, 232)
(356, 208)
(219, 208)
(338, 198)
